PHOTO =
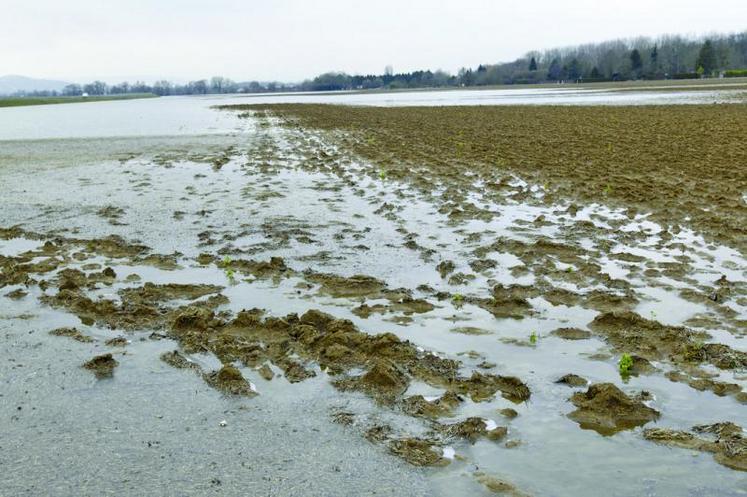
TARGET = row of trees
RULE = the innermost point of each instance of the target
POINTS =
(217, 84)
(333, 81)
(640, 58)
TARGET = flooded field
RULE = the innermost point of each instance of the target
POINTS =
(323, 300)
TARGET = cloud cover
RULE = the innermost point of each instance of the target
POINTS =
(290, 40)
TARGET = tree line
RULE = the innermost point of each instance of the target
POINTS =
(665, 57)
(216, 84)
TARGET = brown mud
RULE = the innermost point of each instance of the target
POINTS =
(592, 154)
(380, 366)
(443, 406)
(573, 380)
(498, 486)
(606, 409)
(228, 379)
(567, 269)
(683, 347)
(418, 452)
(73, 333)
(571, 333)
(473, 429)
(726, 441)
(102, 365)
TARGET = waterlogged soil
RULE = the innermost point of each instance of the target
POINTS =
(684, 165)
(448, 304)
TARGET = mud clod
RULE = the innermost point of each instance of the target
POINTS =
(573, 380)
(418, 452)
(266, 372)
(473, 429)
(445, 268)
(193, 318)
(150, 293)
(726, 442)
(353, 287)
(507, 302)
(16, 294)
(229, 380)
(102, 365)
(177, 360)
(498, 486)
(384, 380)
(418, 406)
(73, 333)
(483, 386)
(607, 410)
(508, 413)
(116, 342)
(275, 267)
(571, 333)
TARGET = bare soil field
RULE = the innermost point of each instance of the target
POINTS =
(679, 162)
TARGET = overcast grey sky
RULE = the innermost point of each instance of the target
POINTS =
(294, 39)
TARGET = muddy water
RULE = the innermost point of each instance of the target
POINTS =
(258, 190)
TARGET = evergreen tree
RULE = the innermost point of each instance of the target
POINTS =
(653, 69)
(595, 74)
(563, 73)
(707, 58)
(553, 73)
(636, 63)
(533, 64)
(574, 69)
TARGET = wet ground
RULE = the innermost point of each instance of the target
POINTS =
(287, 316)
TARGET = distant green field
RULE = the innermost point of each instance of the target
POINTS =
(23, 101)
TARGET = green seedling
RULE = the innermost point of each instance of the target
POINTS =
(227, 269)
(569, 269)
(457, 298)
(533, 338)
(608, 189)
(382, 174)
(625, 364)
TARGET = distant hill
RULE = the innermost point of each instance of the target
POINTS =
(11, 84)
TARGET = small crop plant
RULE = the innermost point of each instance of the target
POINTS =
(625, 364)
(227, 269)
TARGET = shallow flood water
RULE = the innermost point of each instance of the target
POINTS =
(249, 188)
(168, 116)
(530, 96)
